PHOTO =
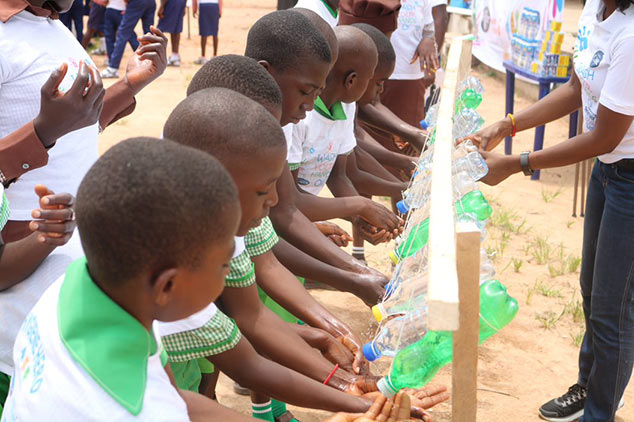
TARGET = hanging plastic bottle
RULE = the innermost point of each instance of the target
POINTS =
(397, 334)
(469, 99)
(466, 122)
(487, 270)
(473, 164)
(471, 83)
(474, 203)
(430, 118)
(415, 365)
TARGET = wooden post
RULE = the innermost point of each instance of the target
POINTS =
(464, 371)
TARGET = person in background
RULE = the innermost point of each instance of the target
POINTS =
(112, 20)
(136, 10)
(209, 13)
(74, 16)
(171, 13)
(96, 26)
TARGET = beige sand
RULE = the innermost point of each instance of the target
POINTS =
(524, 365)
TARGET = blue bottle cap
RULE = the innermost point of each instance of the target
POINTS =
(370, 352)
(402, 207)
(424, 125)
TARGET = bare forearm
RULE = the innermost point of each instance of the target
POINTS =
(340, 184)
(203, 409)
(382, 154)
(441, 20)
(20, 259)
(381, 117)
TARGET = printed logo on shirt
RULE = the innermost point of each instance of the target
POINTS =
(596, 59)
(72, 72)
(486, 19)
(582, 38)
(32, 358)
(302, 181)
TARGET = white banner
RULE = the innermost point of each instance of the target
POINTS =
(496, 20)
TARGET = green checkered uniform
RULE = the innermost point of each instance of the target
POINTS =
(294, 166)
(261, 239)
(241, 271)
(4, 208)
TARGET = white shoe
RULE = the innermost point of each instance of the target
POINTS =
(174, 61)
(106, 61)
(110, 73)
(201, 60)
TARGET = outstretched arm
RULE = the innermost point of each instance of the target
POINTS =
(381, 117)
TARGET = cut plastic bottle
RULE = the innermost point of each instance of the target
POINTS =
(397, 334)
(416, 365)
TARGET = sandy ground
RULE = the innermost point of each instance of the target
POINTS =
(536, 241)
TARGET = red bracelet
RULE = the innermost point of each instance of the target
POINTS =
(329, 377)
(510, 116)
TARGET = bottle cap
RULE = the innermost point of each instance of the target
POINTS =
(376, 311)
(402, 207)
(370, 352)
(424, 125)
(393, 257)
(386, 388)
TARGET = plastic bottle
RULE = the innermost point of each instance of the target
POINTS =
(469, 99)
(472, 83)
(430, 118)
(472, 203)
(487, 270)
(415, 365)
(466, 122)
(473, 164)
(397, 334)
(411, 294)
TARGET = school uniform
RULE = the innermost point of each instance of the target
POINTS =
(172, 20)
(136, 10)
(96, 15)
(112, 20)
(323, 9)
(208, 17)
(91, 362)
(318, 140)
(74, 15)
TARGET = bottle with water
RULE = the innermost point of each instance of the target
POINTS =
(487, 270)
(411, 294)
(430, 118)
(473, 164)
(415, 365)
(397, 334)
(471, 83)
(466, 122)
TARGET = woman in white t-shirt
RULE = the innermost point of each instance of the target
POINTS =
(603, 86)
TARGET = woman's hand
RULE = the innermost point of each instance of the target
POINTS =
(500, 167)
(488, 138)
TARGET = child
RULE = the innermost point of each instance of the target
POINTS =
(171, 15)
(300, 70)
(209, 13)
(96, 26)
(136, 10)
(74, 15)
(326, 9)
(112, 20)
(250, 143)
(105, 361)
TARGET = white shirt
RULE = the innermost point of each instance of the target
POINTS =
(434, 3)
(207, 1)
(321, 9)
(49, 385)
(320, 141)
(203, 316)
(17, 301)
(116, 4)
(413, 16)
(603, 62)
(31, 48)
(288, 135)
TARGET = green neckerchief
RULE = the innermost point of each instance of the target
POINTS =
(332, 11)
(105, 340)
(336, 113)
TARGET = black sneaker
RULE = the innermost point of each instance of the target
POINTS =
(566, 408)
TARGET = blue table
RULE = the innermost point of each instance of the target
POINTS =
(544, 89)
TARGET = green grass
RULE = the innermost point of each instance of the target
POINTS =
(547, 290)
(517, 264)
(577, 337)
(570, 223)
(549, 196)
(509, 221)
(548, 319)
(575, 310)
(541, 251)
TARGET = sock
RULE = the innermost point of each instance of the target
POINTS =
(279, 409)
(103, 42)
(358, 250)
(263, 411)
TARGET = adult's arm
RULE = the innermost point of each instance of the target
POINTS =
(441, 20)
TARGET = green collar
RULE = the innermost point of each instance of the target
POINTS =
(105, 340)
(336, 113)
(332, 11)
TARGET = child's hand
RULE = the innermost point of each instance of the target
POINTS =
(360, 366)
(337, 353)
(428, 396)
(79, 107)
(370, 288)
(375, 235)
(55, 219)
(333, 232)
(380, 217)
(161, 12)
(383, 409)
(149, 60)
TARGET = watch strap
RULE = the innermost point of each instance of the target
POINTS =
(526, 168)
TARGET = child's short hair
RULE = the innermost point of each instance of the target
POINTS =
(241, 74)
(149, 204)
(322, 26)
(285, 37)
(387, 55)
(224, 123)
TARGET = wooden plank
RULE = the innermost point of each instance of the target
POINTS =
(443, 312)
(465, 341)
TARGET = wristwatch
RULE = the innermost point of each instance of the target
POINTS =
(526, 168)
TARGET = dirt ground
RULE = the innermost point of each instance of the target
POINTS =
(534, 237)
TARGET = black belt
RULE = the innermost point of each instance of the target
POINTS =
(625, 164)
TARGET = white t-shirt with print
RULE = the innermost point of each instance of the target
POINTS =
(320, 141)
(31, 48)
(603, 62)
(17, 301)
(321, 9)
(288, 135)
(49, 385)
(116, 4)
(413, 16)
(203, 316)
